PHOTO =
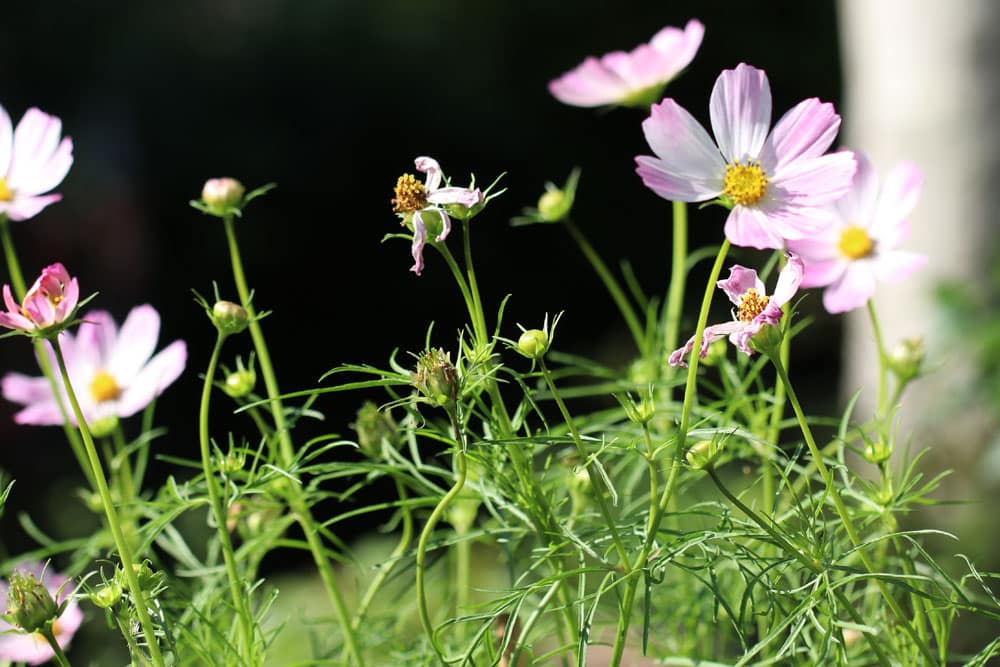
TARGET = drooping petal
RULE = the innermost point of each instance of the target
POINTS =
(740, 109)
(712, 334)
(805, 131)
(854, 288)
(135, 344)
(463, 196)
(445, 225)
(419, 239)
(897, 265)
(157, 375)
(429, 166)
(739, 281)
(789, 280)
(897, 198)
(750, 228)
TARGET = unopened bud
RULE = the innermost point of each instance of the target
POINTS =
(229, 317)
(436, 377)
(878, 452)
(107, 595)
(222, 194)
(907, 358)
(372, 426)
(641, 412)
(533, 343)
(29, 603)
(702, 454)
(554, 205)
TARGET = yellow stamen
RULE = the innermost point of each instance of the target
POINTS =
(752, 304)
(744, 184)
(411, 195)
(5, 193)
(855, 243)
(104, 387)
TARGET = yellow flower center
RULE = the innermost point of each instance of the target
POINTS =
(855, 243)
(752, 304)
(5, 193)
(744, 184)
(104, 387)
(411, 195)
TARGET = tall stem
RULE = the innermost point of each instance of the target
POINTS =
(218, 504)
(296, 500)
(60, 656)
(678, 280)
(124, 551)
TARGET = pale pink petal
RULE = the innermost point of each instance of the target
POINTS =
(740, 109)
(750, 228)
(805, 131)
(712, 334)
(96, 336)
(854, 288)
(897, 198)
(429, 166)
(789, 280)
(823, 272)
(590, 84)
(897, 265)
(463, 196)
(815, 181)
(630, 67)
(23, 208)
(23, 389)
(789, 221)
(15, 321)
(43, 414)
(6, 141)
(683, 146)
(678, 46)
(673, 186)
(35, 140)
(891, 236)
(156, 376)
(71, 297)
(445, 225)
(857, 207)
(47, 174)
(419, 239)
(136, 342)
(739, 281)
(8, 299)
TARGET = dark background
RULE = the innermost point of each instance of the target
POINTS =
(332, 101)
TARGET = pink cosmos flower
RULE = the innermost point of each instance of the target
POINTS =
(32, 648)
(778, 184)
(32, 161)
(415, 200)
(754, 309)
(860, 247)
(631, 79)
(51, 300)
(110, 370)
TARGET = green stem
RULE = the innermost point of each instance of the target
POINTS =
(479, 316)
(595, 481)
(124, 552)
(17, 282)
(51, 639)
(845, 518)
(678, 279)
(425, 534)
(296, 501)
(218, 504)
(610, 283)
(883, 370)
(124, 464)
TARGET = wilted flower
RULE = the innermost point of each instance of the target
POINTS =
(32, 161)
(860, 247)
(775, 184)
(424, 205)
(35, 597)
(755, 310)
(110, 368)
(631, 79)
(49, 302)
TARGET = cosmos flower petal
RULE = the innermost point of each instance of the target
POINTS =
(47, 174)
(897, 198)
(430, 167)
(135, 343)
(672, 186)
(96, 335)
(823, 272)
(817, 181)
(155, 376)
(739, 281)
(858, 205)
(464, 196)
(682, 145)
(805, 131)
(419, 240)
(589, 84)
(789, 280)
(898, 265)
(854, 288)
(23, 208)
(740, 109)
(712, 334)
(750, 228)
(6, 140)
(21, 388)
(678, 46)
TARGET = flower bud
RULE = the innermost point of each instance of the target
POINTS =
(767, 339)
(240, 383)
(533, 343)
(641, 412)
(907, 358)
(29, 603)
(107, 595)
(222, 194)
(104, 426)
(229, 318)
(436, 377)
(554, 205)
(702, 454)
(372, 426)
(878, 451)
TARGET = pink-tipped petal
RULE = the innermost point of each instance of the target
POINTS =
(897, 265)
(805, 131)
(135, 344)
(8, 299)
(739, 281)
(24, 389)
(679, 45)
(157, 375)
(14, 321)
(682, 145)
(788, 280)
(750, 228)
(590, 84)
(816, 181)
(855, 287)
(740, 109)
(712, 334)
(96, 335)
(672, 186)
(823, 272)
(23, 208)
(45, 413)
(432, 169)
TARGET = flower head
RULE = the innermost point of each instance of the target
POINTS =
(754, 309)
(49, 303)
(36, 590)
(110, 368)
(860, 247)
(32, 161)
(630, 79)
(777, 184)
(423, 205)
(221, 194)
